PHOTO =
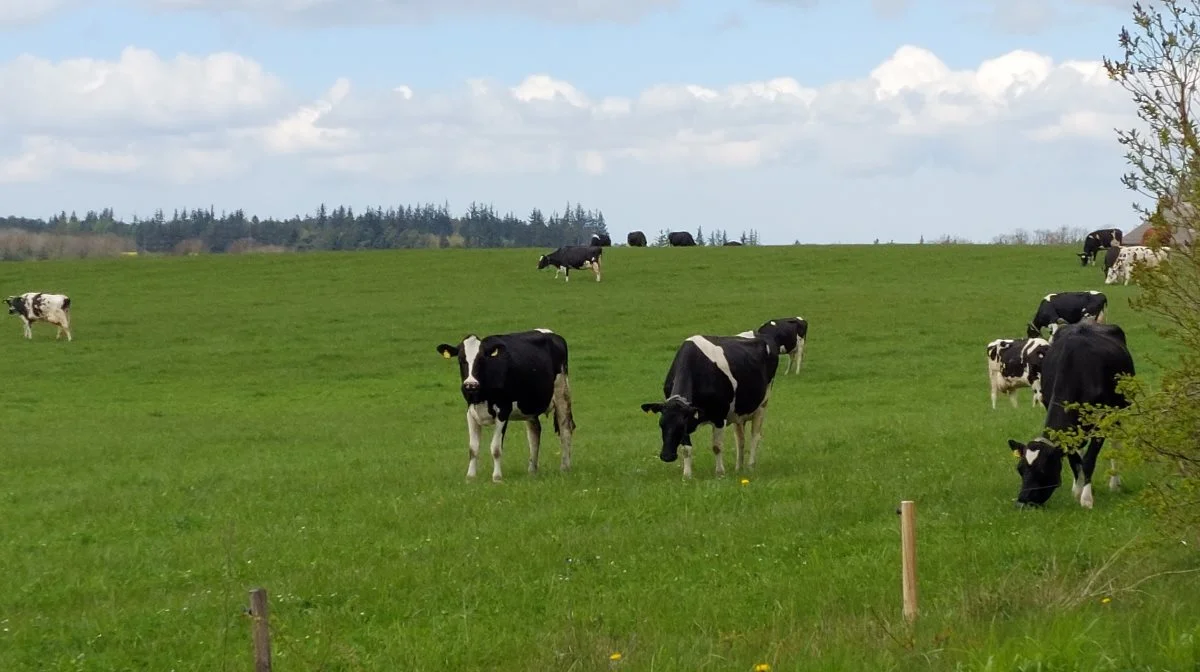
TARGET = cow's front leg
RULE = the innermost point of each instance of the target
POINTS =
(718, 444)
(533, 430)
(1076, 464)
(567, 272)
(25, 329)
(497, 447)
(474, 427)
(739, 445)
(687, 460)
(1012, 397)
(1089, 467)
(596, 270)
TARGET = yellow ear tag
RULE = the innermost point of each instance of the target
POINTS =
(1016, 453)
(495, 353)
(446, 354)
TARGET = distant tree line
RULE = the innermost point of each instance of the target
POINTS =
(340, 228)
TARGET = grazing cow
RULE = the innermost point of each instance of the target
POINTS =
(680, 239)
(516, 376)
(731, 243)
(636, 239)
(716, 380)
(572, 256)
(1055, 310)
(1110, 257)
(1016, 363)
(1081, 367)
(40, 307)
(1122, 268)
(1096, 240)
(601, 240)
(788, 334)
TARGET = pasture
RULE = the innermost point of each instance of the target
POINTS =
(221, 423)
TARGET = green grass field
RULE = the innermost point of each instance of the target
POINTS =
(221, 423)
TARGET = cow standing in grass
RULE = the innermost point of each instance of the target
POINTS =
(41, 307)
(601, 240)
(1081, 366)
(517, 376)
(1096, 241)
(1055, 310)
(789, 335)
(680, 239)
(1016, 363)
(573, 256)
(636, 239)
(716, 380)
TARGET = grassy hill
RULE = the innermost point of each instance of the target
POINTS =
(221, 423)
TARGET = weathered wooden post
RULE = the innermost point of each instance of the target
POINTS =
(908, 557)
(261, 630)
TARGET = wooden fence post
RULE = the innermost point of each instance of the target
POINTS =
(908, 555)
(262, 633)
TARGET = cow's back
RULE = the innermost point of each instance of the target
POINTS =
(1081, 366)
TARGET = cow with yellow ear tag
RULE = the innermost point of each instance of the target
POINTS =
(517, 376)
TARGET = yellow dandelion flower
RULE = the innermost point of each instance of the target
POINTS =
(745, 481)
(1106, 600)
(615, 656)
(762, 667)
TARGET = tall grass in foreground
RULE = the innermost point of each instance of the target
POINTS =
(223, 422)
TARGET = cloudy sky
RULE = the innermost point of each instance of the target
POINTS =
(808, 120)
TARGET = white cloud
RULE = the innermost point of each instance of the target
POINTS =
(19, 12)
(347, 11)
(195, 123)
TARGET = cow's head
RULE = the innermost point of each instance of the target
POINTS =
(677, 419)
(481, 364)
(1083, 258)
(1040, 465)
(1032, 332)
(15, 304)
(542, 262)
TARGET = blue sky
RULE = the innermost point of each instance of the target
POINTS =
(276, 105)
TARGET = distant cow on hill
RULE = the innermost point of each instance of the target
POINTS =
(1062, 308)
(517, 376)
(731, 243)
(1081, 367)
(1016, 363)
(1096, 240)
(41, 307)
(601, 240)
(1128, 257)
(636, 239)
(572, 256)
(716, 380)
(788, 334)
(680, 239)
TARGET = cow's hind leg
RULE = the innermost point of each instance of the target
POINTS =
(739, 443)
(533, 431)
(1012, 397)
(498, 447)
(718, 445)
(564, 419)
(756, 430)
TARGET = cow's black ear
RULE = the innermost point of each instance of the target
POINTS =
(653, 407)
(447, 351)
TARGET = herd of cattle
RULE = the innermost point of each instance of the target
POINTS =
(728, 380)
(577, 257)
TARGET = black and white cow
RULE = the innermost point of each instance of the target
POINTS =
(1016, 363)
(636, 239)
(517, 376)
(1081, 366)
(716, 380)
(572, 256)
(731, 243)
(1096, 240)
(680, 239)
(1110, 257)
(1062, 308)
(42, 307)
(601, 240)
(1130, 256)
(789, 334)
